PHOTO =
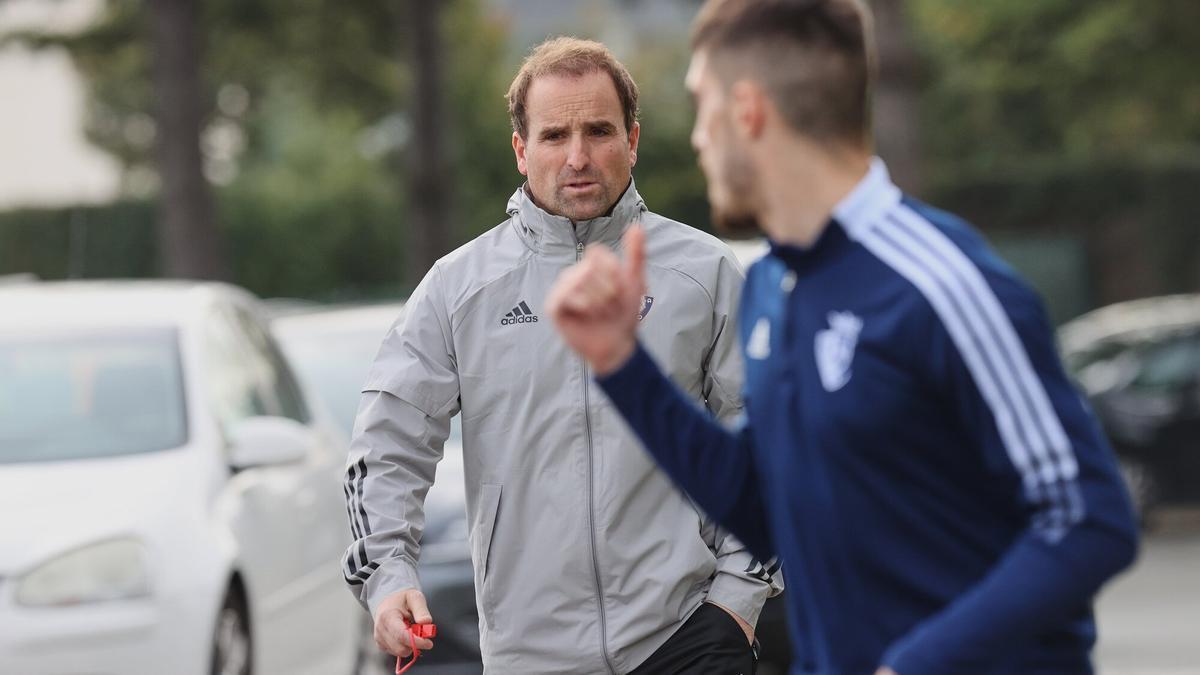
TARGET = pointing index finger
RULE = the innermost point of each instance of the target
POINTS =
(635, 255)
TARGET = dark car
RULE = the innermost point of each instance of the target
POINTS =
(1139, 364)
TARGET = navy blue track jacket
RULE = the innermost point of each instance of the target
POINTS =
(939, 493)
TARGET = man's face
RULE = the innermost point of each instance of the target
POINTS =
(578, 156)
(731, 176)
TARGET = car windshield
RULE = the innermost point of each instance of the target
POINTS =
(334, 366)
(66, 397)
(1162, 363)
(1169, 365)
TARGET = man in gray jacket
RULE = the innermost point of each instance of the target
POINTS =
(587, 559)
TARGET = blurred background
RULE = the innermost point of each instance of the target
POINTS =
(327, 152)
(332, 150)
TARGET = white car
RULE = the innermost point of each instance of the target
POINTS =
(170, 502)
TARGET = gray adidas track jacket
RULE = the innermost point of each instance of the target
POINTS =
(586, 557)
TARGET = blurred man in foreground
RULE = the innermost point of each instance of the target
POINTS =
(587, 559)
(942, 499)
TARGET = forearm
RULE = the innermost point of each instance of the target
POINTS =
(740, 592)
(390, 470)
(1035, 586)
(711, 464)
(742, 583)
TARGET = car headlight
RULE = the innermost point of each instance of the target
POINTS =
(109, 570)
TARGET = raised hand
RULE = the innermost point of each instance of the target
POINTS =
(595, 304)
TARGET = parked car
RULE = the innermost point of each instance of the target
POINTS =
(171, 502)
(1139, 364)
(332, 351)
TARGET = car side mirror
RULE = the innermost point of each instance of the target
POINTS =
(264, 441)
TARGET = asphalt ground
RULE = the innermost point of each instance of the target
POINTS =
(1149, 618)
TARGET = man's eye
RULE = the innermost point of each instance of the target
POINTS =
(554, 136)
(600, 131)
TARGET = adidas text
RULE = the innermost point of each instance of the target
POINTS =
(519, 314)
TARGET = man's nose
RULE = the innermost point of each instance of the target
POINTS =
(577, 154)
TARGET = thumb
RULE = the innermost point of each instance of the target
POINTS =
(420, 611)
(635, 256)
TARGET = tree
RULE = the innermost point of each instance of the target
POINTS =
(190, 243)
(897, 95)
(290, 92)
(1021, 83)
(1081, 119)
(429, 171)
(147, 100)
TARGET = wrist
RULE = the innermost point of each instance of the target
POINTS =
(741, 622)
(613, 360)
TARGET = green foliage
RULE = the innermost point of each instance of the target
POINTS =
(1059, 81)
(344, 54)
(1064, 118)
(1025, 101)
(479, 133)
(114, 240)
(668, 177)
(312, 93)
(308, 213)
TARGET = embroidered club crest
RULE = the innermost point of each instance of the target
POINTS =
(835, 349)
(647, 302)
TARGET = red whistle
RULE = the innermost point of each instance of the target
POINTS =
(416, 630)
(423, 630)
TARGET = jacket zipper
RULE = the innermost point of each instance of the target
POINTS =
(587, 423)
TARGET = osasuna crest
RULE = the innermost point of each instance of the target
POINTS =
(647, 302)
(835, 349)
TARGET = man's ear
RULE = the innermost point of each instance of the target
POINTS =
(518, 144)
(748, 106)
(634, 134)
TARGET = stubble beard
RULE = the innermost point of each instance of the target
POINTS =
(738, 217)
(586, 208)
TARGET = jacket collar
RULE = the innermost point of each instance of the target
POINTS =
(857, 212)
(546, 233)
(870, 198)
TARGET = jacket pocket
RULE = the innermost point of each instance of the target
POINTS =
(485, 528)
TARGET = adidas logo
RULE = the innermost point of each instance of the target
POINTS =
(519, 314)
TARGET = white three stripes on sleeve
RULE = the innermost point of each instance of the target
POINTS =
(358, 570)
(1029, 428)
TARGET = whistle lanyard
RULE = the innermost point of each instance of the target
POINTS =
(416, 630)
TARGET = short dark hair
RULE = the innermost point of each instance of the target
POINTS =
(573, 57)
(815, 58)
